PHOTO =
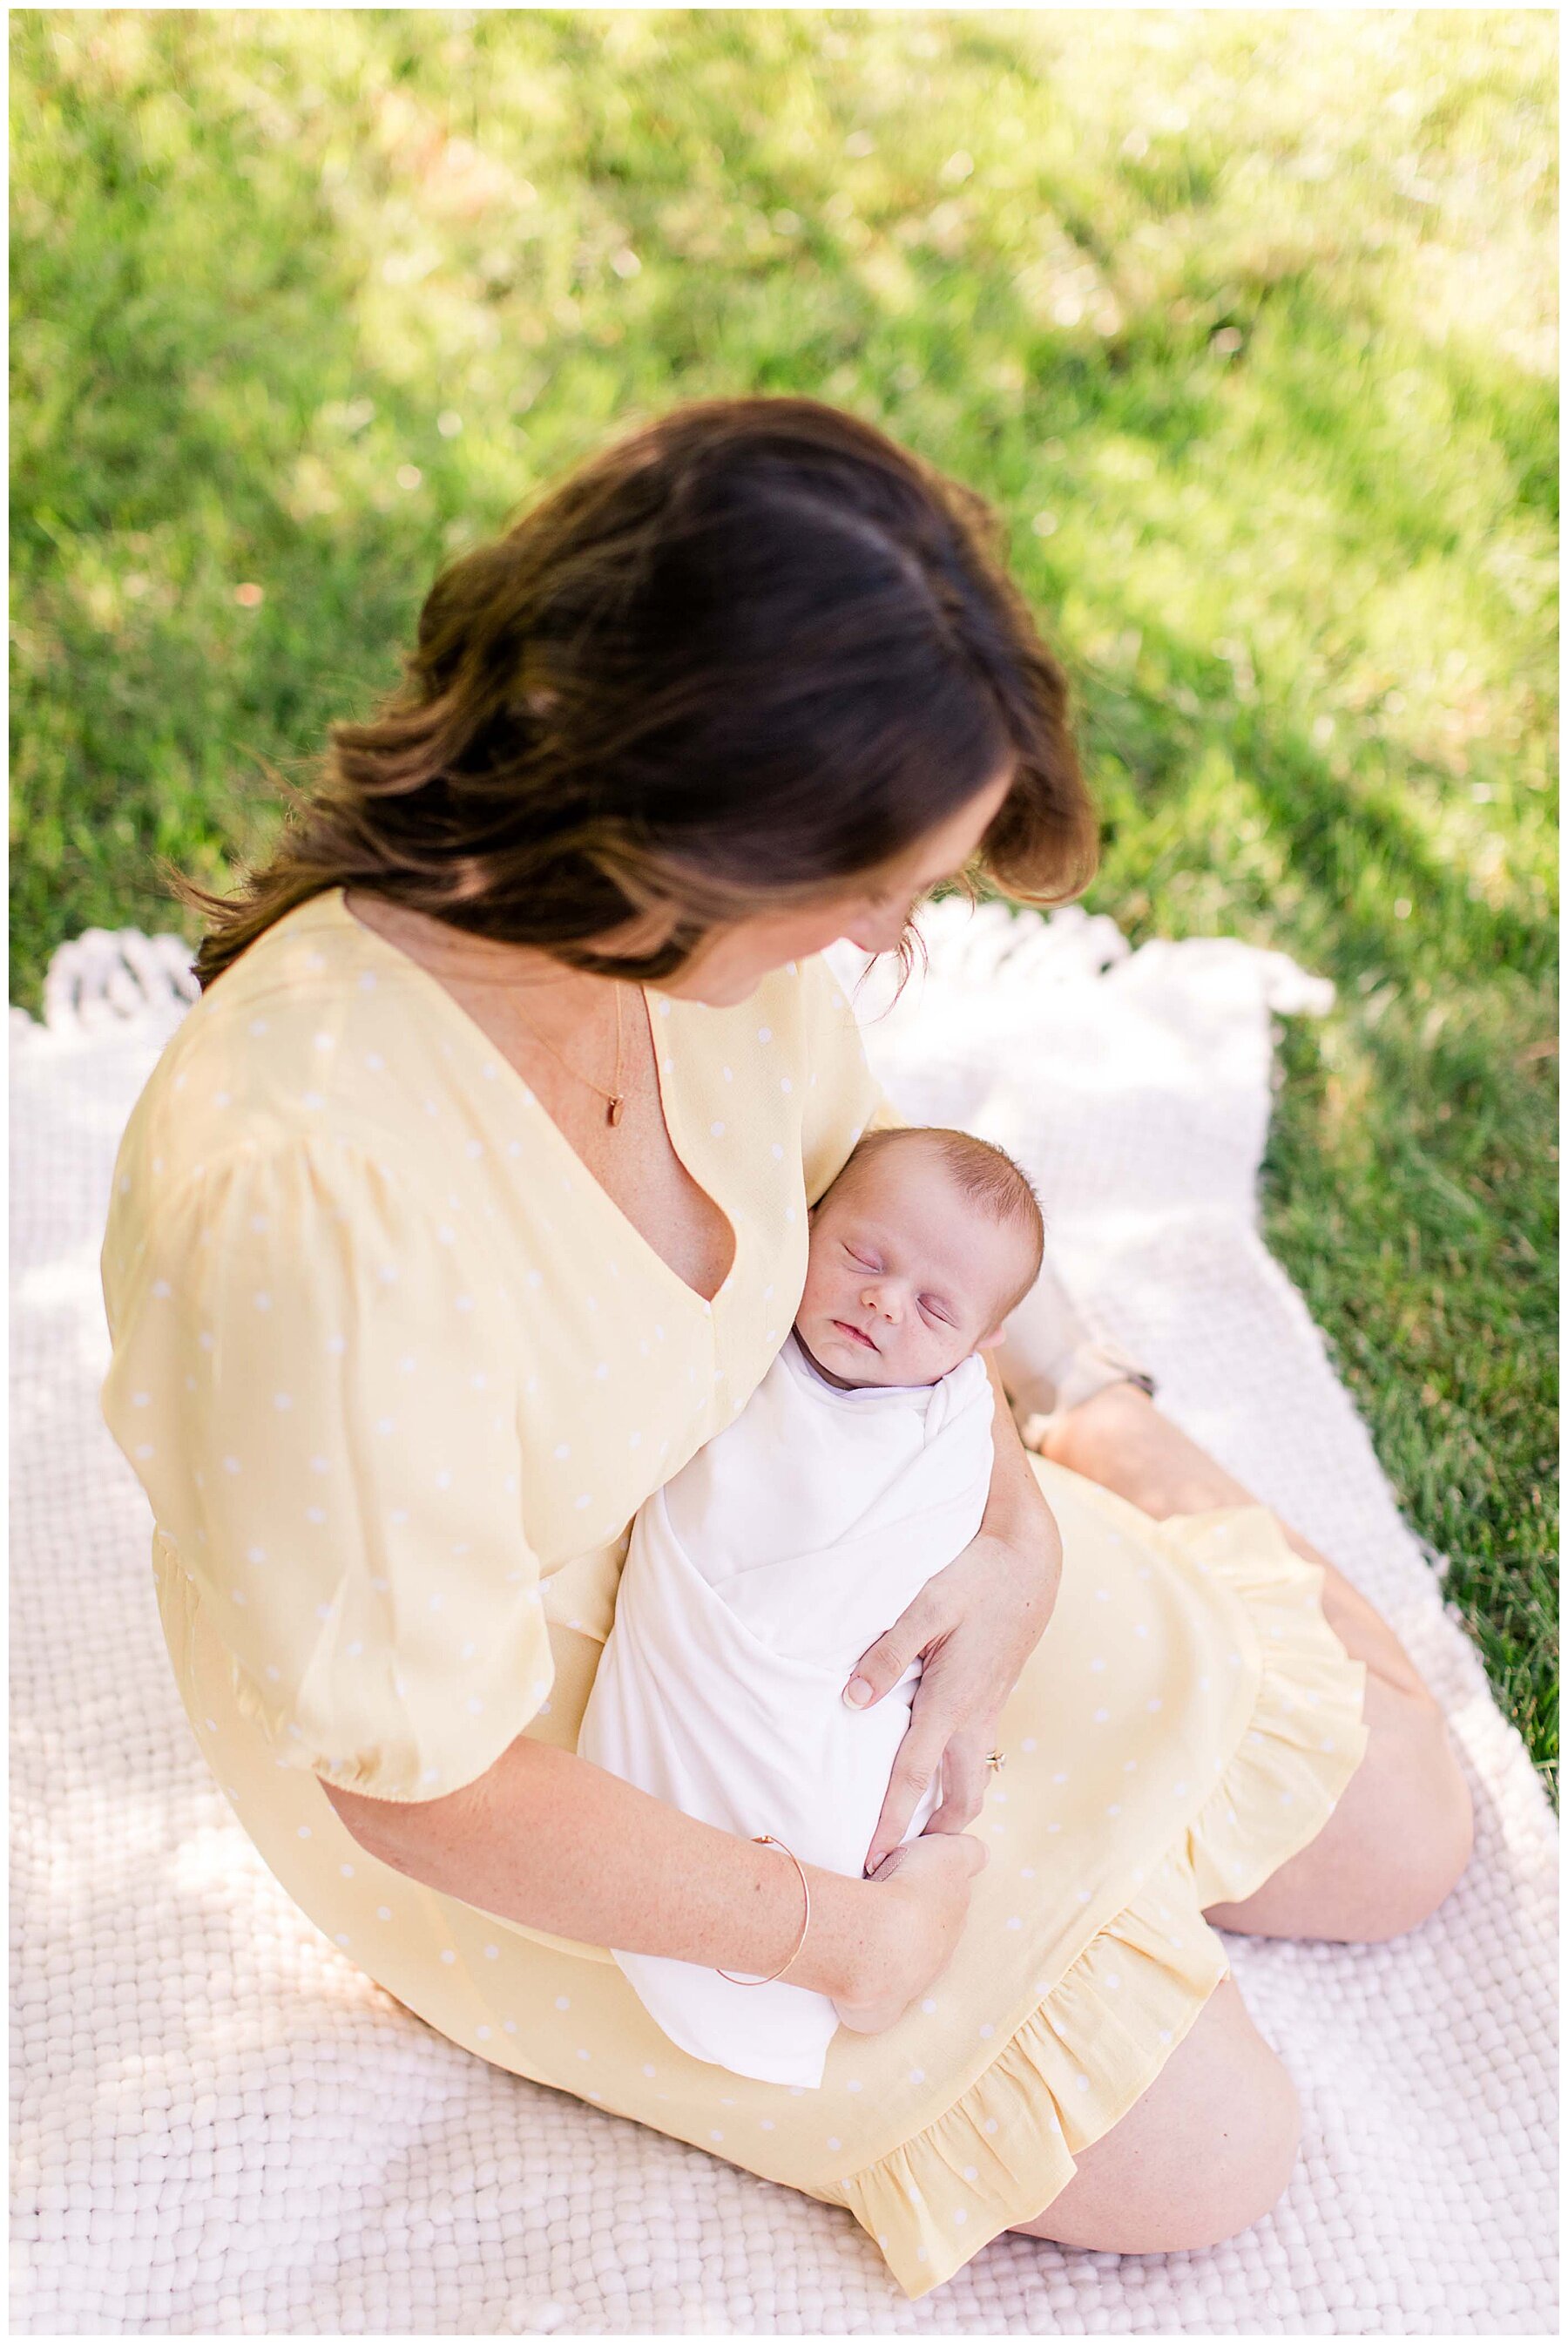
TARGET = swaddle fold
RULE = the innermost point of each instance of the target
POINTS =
(754, 1580)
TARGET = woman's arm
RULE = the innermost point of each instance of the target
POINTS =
(545, 1838)
(973, 1625)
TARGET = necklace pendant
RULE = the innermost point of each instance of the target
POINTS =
(613, 1118)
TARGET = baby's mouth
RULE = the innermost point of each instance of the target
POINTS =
(854, 1332)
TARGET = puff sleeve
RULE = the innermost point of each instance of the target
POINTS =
(312, 1378)
(1049, 1361)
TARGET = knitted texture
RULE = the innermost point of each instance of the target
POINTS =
(222, 2126)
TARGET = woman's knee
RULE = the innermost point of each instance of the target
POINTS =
(1206, 2152)
(1428, 1822)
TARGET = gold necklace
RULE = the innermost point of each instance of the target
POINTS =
(616, 1098)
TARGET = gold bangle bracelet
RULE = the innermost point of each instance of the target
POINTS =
(766, 1839)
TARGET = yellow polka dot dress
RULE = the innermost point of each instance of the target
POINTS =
(396, 1373)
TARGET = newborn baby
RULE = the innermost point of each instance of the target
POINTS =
(761, 1572)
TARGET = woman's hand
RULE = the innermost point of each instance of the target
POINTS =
(921, 1903)
(973, 1625)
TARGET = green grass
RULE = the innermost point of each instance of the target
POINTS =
(1244, 323)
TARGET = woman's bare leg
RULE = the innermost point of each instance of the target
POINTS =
(1402, 1834)
(1206, 2152)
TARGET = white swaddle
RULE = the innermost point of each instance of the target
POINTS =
(755, 1580)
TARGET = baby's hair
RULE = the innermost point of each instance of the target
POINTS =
(987, 1175)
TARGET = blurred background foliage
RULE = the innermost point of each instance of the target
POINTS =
(1243, 321)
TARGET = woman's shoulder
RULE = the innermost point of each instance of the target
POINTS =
(318, 1035)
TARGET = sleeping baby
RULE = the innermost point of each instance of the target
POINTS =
(761, 1572)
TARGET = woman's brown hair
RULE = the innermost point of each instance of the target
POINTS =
(736, 663)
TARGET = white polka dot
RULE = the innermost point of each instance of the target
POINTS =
(483, 2033)
(928, 2006)
(1100, 1715)
(987, 2031)
(304, 1832)
(991, 2124)
(716, 1131)
(262, 1300)
(375, 1061)
(1017, 1920)
(767, 2125)
(854, 2085)
(834, 2142)
(1097, 1666)
(448, 1955)
(563, 2002)
(1154, 1704)
(785, 1084)
(917, 2075)
(1083, 2083)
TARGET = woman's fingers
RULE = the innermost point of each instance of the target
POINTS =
(878, 1670)
(920, 1755)
(963, 1780)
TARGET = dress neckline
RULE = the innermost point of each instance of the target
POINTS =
(476, 1040)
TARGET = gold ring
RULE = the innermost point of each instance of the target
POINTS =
(996, 1760)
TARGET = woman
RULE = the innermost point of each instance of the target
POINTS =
(471, 1200)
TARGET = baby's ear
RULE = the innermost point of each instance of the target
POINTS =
(989, 1342)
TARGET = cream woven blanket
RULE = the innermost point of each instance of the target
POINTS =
(222, 2127)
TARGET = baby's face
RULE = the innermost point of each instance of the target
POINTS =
(904, 1275)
